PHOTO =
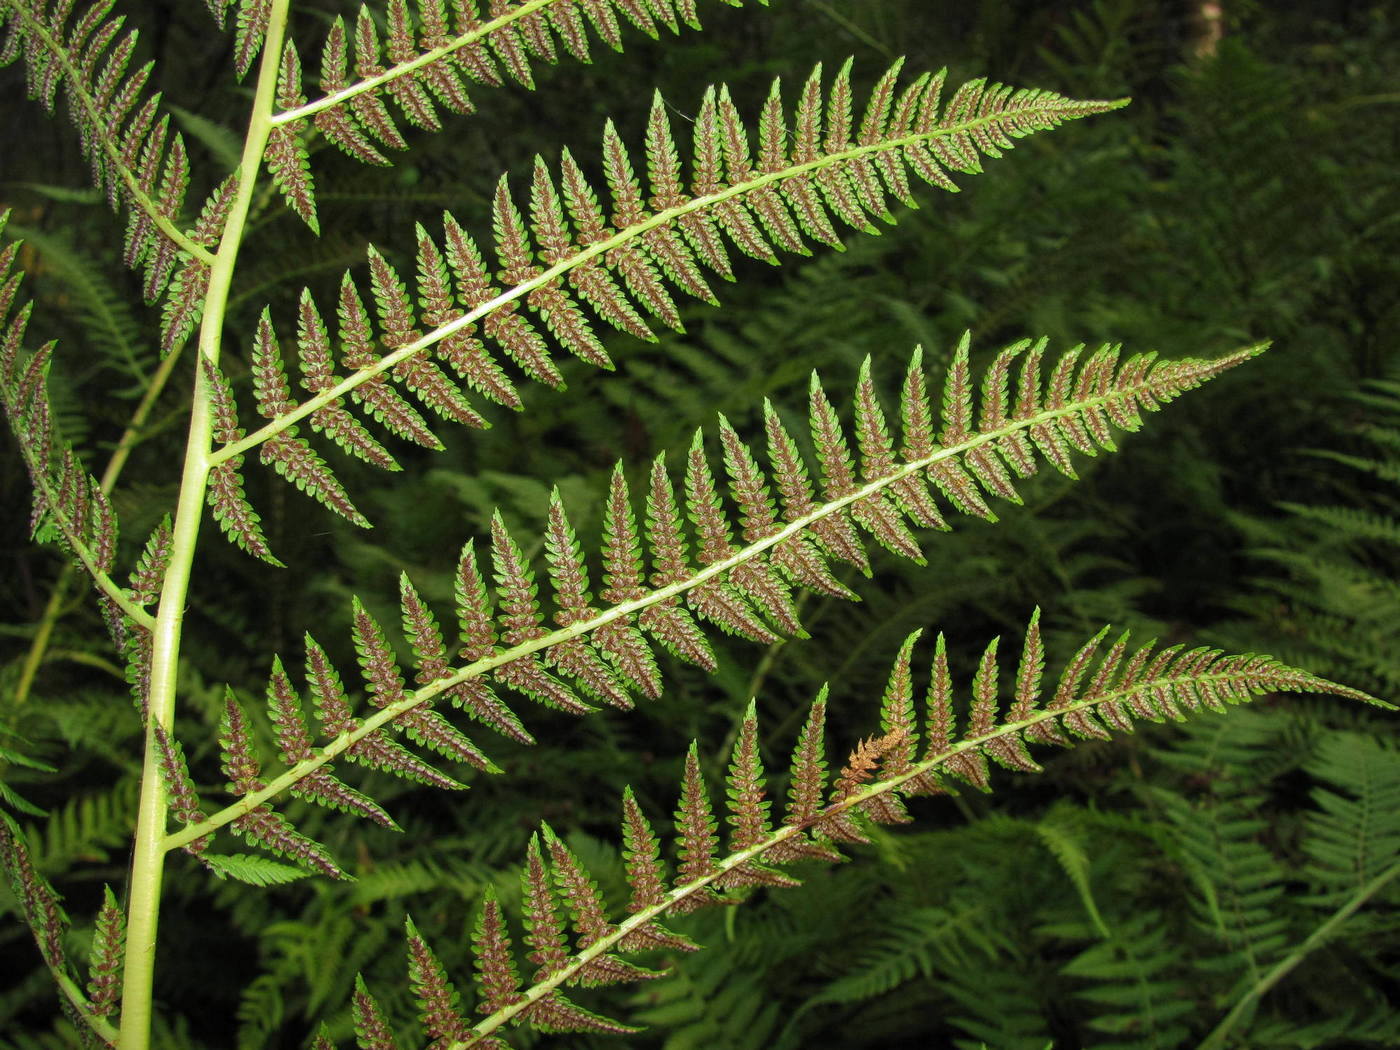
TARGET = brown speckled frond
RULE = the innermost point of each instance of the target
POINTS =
(879, 772)
(564, 259)
(134, 158)
(439, 1005)
(723, 558)
(270, 830)
(34, 893)
(372, 1032)
(106, 957)
(179, 785)
(695, 832)
(497, 976)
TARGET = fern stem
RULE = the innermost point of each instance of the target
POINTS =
(73, 75)
(427, 58)
(1315, 940)
(592, 251)
(383, 716)
(78, 656)
(131, 436)
(148, 855)
(34, 658)
(80, 1002)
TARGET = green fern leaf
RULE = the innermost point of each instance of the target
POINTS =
(1136, 985)
(133, 157)
(1353, 835)
(252, 868)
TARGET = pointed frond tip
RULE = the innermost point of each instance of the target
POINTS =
(1103, 687)
(569, 259)
(723, 548)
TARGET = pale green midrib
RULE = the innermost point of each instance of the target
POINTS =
(796, 527)
(148, 850)
(592, 251)
(78, 87)
(427, 58)
(602, 946)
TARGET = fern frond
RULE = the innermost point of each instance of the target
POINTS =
(251, 868)
(37, 898)
(38, 904)
(372, 1032)
(179, 786)
(423, 64)
(659, 232)
(909, 944)
(232, 512)
(1239, 882)
(1137, 987)
(89, 825)
(742, 590)
(134, 157)
(110, 326)
(1351, 848)
(1148, 685)
(70, 506)
(438, 1002)
(1354, 833)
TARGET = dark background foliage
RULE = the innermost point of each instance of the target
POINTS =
(1125, 898)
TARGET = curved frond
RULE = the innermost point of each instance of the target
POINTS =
(563, 261)
(1097, 689)
(1354, 834)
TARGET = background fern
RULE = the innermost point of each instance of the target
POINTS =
(1240, 198)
